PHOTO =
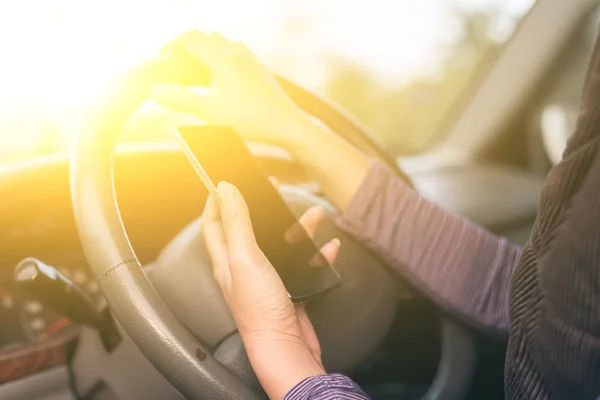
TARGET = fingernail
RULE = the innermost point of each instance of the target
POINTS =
(337, 242)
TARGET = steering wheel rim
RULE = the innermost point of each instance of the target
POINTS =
(131, 297)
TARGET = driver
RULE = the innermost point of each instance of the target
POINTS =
(545, 296)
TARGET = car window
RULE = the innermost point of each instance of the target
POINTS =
(559, 108)
(397, 65)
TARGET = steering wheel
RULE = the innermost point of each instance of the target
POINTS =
(199, 352)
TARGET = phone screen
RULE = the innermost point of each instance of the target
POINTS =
(221, 155)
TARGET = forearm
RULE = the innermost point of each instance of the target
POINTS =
(337, 166)
(459, 265)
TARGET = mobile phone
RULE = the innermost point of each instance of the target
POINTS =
(219, 154)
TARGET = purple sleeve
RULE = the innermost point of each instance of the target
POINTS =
(326, 387)
(459, 265)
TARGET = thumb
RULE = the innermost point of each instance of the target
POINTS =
(331, 250)
(237, 225)
(180, 98)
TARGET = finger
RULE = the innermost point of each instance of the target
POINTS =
(330, 250)
(306, 225)
(180, 98)
(175, 46)
(311, 219)
(275, 182)
(326, 256)
(215, 241)
(211, 49)
(236, 222)
(198, 45)
(219, 41)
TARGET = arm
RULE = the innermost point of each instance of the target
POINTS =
(468, 273)
(459, 265)
(462, 267)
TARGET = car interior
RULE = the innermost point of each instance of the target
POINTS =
(106, 290)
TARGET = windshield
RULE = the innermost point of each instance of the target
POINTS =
(397, 65)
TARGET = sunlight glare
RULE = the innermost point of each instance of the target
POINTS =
(56, 55)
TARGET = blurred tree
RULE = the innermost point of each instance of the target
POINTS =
(406, 118)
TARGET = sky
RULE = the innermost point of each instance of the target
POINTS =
(57, 54)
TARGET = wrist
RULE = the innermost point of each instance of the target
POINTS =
(280, 366)
(300, 133)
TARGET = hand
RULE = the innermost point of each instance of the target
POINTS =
(281, 343)
(243, 93)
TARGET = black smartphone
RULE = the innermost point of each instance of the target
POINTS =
(219, 154)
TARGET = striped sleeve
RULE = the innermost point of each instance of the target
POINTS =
(326, 387)
(462, 267)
